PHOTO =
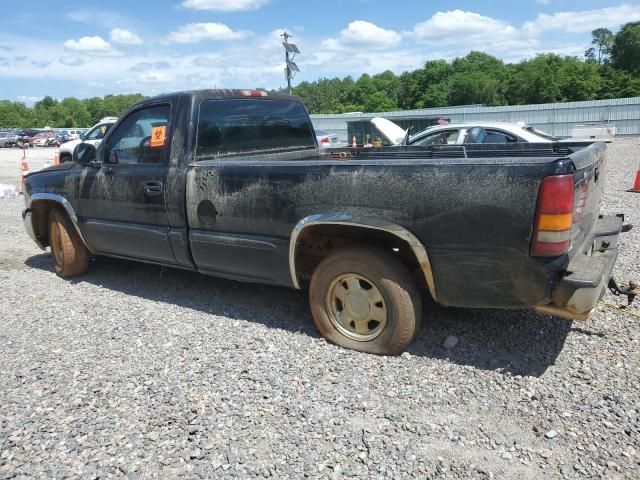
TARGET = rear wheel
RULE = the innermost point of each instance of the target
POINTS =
(70, 256)
(365, 300)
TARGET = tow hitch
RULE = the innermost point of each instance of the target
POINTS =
(630, 291)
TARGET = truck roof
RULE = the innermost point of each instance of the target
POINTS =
(207, 94)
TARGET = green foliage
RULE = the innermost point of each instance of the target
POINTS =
(550, 78)
(602, 42)
(477, 78)
(625, 51)
(611, 69)
(69, 112)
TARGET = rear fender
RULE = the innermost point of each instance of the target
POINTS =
(366, 223)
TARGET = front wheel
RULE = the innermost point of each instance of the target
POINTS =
(364, 299)
(70, 256)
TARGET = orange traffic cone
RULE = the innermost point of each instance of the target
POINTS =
(56, 157)
(636, 184)
(353, 142)
(25, 168)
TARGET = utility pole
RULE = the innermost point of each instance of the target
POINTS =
(290, 68)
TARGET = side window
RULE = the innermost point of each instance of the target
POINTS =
(498, 136)
(142, 137)
(476, 135)
(447, 137)
(248, 125)
(98, 132)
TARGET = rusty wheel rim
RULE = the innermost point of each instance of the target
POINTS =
(356, 307)
(56, 244)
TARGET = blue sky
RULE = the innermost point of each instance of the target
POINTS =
(92, 48)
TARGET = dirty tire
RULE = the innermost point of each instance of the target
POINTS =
(385, 274)
(70, 256)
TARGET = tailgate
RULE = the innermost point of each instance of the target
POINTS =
(589, 179)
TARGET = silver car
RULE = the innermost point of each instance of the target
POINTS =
(8, 139)
(461, 133)
(327, 140)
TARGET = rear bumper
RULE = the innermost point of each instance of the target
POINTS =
(28, 226)
(588, 273)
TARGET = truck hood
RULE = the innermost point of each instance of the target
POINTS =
(68, 147)
(391, 132)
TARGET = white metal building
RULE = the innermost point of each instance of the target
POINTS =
(555, 118)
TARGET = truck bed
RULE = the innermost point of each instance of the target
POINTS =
(472, 208)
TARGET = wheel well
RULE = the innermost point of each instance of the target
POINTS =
(317, 241)
(40, 211)
(66, 156)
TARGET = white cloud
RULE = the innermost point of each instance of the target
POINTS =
(143, 66)
(196, 32)
(360, 33)
(88, 44)
(154, 77)
(124, 37)
(97, 17)
(29, 101)
(459, 26)
(584, 21)
(224, 5)
(543, 2)
(72, 61)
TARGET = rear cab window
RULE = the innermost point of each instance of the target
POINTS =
(239, 126)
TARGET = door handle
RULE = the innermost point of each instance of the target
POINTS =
(152, 188)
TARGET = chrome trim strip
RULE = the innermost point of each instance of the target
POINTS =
(66, 205)
(362, 222)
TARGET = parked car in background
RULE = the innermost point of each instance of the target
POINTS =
(326, 139)
(93, 136)
(43, 139)
(74, 133)
(594, 132)
(8, 139)
(463, 133)
(63, 137)
(25, 136)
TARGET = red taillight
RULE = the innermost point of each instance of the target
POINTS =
(324, 140)
(554, 217)
(253, 93)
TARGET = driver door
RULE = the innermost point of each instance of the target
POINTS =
(122, 198)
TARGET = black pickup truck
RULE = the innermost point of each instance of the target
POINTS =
(231, 183)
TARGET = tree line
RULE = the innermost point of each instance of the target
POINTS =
(69, 112)
(610, 69)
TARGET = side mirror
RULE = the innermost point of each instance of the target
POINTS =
(82, 136)
(85, 153)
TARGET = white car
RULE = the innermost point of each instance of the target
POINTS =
(93, 136)
(461, 133)
(326, 139)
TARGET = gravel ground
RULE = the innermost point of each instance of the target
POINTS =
(137, 371)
